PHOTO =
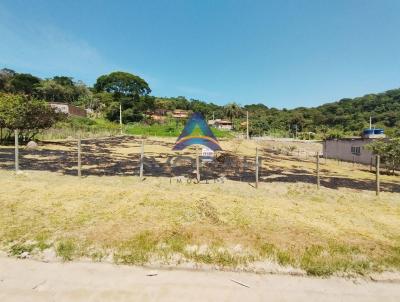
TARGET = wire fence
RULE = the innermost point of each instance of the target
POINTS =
(138, 156)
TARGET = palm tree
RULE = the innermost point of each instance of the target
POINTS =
(233, 110)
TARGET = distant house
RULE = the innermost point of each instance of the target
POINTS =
(180, 114)
(353, 149)
(161, 112)
(221, 124)
(157, 117)
(68, 109)
(161, 115)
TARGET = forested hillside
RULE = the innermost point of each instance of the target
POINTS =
(347, 116)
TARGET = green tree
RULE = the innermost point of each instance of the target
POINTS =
(122, 83)
(6, 76)
(389, 152)
(128, 90)
(24, 83)
(26, 114)
(50, 90)
(63, 89)
(297, 119)
(334, 133)
(64, 81)
(233, 110)
(112, 112)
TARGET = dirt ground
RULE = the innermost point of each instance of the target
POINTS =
(288, 162)
(26, 280)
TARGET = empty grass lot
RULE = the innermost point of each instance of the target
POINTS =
(341, 228)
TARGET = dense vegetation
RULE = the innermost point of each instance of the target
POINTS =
(389, 152)
(26, 114)
(345, 117)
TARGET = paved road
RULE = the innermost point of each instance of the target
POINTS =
(27, 280)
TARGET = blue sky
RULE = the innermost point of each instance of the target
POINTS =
(281, 53)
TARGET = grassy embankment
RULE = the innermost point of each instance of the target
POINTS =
(167, 130)
(102, 128)
(228, 224)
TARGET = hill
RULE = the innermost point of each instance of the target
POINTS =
(344, 117)
(347, 116)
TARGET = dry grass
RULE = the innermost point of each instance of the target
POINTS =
(341, 228)
(292, 223)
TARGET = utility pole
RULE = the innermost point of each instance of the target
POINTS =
(370, 122)
(247, 123)
(120, 116)
(318, 178)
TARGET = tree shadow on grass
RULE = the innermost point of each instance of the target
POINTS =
(99, 158)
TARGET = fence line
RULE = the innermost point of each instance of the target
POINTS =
(243, 169)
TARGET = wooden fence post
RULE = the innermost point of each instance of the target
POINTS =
(377, 165)
(120, 117)
(197, 165)
(370, 165)
(16, 150)
(318, 178)
(247, 125)
(141, 160)
(79, 156)
(256, 167)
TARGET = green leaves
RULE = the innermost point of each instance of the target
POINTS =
(332, 120)
(389, 152)
(122, 83)
(60, 89)
(233, 110)
(26, 114)
(24, 83)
